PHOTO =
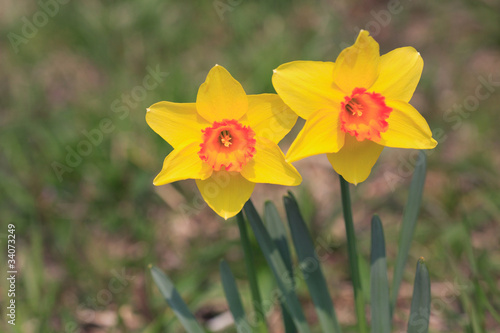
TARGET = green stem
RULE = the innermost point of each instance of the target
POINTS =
(252, 276)
(353, 256)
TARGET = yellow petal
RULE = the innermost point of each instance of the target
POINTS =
(307, 86)
(399, 73)
(269, 166)
(183, 163)
(268, 116)
(407, 128)
(357, 66)
(225, 192)
(356, 159)
(221, 96)
(321, 134)
(176, 123)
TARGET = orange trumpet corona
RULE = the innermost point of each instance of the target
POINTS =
(363, 115)
(227, 145)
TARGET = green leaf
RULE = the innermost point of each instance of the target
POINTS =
(233, 298)
(408, 225)
(175, 301)
(277, 231)
(379, 285)
(421, 301)
(251, 273)
(310, 267)
(278, 267)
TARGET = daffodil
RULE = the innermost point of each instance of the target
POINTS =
(355, 106)
(226, 141)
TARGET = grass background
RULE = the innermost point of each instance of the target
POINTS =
(85, 237)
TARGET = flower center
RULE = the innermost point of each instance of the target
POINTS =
(225, 138)
(227, 145)
(364, 115)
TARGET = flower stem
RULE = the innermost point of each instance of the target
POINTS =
(252, 276)
(353, 256)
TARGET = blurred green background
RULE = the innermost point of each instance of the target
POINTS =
(77, 158)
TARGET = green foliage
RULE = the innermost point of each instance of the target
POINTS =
(278, 267)
(175, 301)
(233, 298)
(379, 286)
(309, 265)
(278, 233)
(420, 311)
(274, 245)
(410, 216)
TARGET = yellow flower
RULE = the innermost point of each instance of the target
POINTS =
(227, 141)
(355, 106)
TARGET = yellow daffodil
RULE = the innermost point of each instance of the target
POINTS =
(226, 141)
(355, 106)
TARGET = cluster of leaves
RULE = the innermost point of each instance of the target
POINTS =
(272, 239)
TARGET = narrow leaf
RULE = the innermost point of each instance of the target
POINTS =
(233, 298)
(410, 216)
(310, 267)
(421, 301)
(277, 231)
(278, 267)
(278, 234)
(251, 273)
(379, 285)
(175, 301)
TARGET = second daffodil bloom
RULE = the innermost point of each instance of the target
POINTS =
(226, 141)
(355, 106)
